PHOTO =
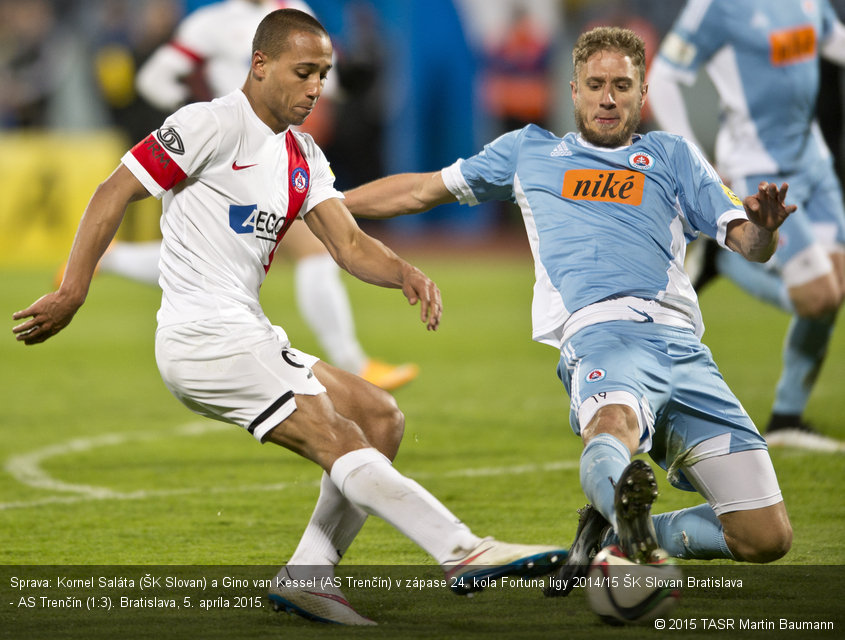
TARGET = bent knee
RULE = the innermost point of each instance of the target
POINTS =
(764, 545)
(390, 413)
(817, 307)
(386, 425)
(618, 420)
(395, 420)
(817, 298)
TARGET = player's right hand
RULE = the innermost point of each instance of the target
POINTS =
(47, 316)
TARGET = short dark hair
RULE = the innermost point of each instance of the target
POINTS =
(618, 39)
(273, 33)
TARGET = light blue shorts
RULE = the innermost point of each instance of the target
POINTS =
(670, 380)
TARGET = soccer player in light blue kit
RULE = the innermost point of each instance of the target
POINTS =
(608, 214)
(762, 57)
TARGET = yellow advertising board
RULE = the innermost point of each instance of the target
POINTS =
(46, 180)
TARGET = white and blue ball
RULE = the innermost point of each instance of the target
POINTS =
(621, 591)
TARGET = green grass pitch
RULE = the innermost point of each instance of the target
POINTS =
(103, 468)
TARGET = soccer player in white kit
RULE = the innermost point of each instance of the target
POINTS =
(608, 214)
(212, 44)
(232, 177)
(763, 59)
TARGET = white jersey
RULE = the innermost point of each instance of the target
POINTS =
(216, 39)
(230, 188)
(607, 227)
(762, 56)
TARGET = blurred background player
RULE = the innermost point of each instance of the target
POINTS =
(763, 58)
(208, 57)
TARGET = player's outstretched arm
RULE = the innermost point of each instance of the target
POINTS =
(370, 260)
(756, 240)
(397, 195)
(53, 312)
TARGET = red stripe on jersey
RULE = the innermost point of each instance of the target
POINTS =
(158, 163)
(299, 181)
(193, 55)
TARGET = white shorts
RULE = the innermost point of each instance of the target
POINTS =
(241, 372)
(806, 265)
(737, 481)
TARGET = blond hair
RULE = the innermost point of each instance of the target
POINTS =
(618, 39)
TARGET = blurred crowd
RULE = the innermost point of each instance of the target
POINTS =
(420, 82)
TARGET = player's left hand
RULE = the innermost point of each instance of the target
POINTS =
(418, 287)
(767, 207)
(47, 316)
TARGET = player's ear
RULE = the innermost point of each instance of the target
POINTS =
(259, 64)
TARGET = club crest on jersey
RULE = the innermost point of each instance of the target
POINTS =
(641, 160)
(299, 180)
(170, 140)
(595, 375)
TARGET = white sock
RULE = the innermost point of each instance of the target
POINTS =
(332, 528)
(324, 304)
(134, 260)
(367, 479)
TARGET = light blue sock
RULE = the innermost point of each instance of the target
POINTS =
(602, 462)
(693, 533)
(803, 354)
(755, 279)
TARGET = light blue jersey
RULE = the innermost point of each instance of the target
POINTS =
(762, 56)
(608, 231)
(607, 227)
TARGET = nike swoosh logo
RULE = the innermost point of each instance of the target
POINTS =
(456, 568)
(647, 317)
(238, 167)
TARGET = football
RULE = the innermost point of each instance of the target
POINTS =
(621, 591)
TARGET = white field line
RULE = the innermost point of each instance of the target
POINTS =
(26, 469)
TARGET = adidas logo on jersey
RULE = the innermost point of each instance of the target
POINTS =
(561, 150)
